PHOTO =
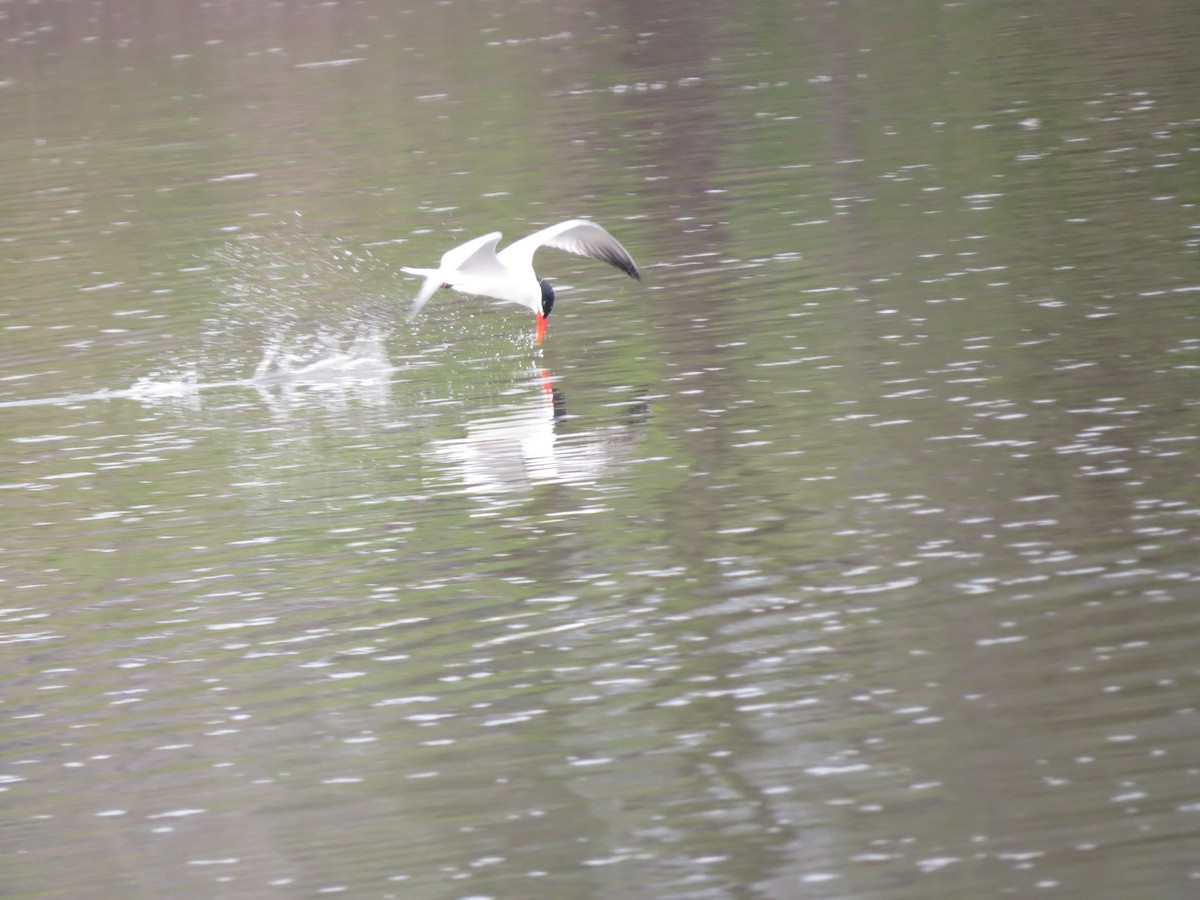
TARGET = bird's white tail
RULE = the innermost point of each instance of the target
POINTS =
(433, 281)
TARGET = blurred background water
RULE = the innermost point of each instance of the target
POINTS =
(852, 555)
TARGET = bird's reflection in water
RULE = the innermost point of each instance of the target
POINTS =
(526, 444)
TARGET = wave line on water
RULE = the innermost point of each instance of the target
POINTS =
(541, 632)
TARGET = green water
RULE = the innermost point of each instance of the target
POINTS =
(851, 554)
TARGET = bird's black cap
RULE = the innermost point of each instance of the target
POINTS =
(547, 296)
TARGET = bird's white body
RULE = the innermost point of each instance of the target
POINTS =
(476, 267)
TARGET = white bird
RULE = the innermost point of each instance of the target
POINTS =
(476, 268)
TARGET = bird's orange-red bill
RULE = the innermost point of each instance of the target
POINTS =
(541, 329)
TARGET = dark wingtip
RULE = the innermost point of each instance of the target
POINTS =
(623, 262)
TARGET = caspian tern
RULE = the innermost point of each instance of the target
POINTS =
(476, 268)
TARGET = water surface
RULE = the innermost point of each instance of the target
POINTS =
(853, 554)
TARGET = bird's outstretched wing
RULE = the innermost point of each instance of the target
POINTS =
(476, 257)
(577, 236)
